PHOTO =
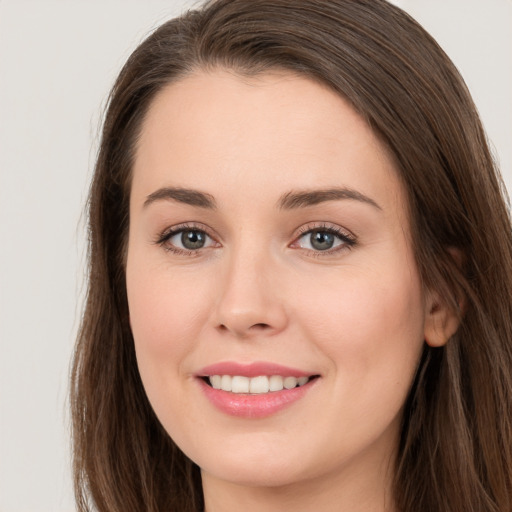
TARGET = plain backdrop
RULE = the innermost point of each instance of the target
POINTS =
(58, 60)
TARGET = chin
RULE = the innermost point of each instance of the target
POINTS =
(255, 475)
(260, 462)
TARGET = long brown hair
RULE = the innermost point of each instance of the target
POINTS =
(455, 450)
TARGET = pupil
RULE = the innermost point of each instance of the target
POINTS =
(321, 240)
(192, 239)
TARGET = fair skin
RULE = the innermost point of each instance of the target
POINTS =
(235, 271)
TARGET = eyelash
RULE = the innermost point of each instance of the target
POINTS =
(165, 236)
(348, 240)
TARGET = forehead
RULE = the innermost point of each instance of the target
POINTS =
(267, 133)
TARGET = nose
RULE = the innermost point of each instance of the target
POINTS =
(249, 304)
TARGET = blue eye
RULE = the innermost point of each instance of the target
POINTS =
(186, 239)
(190, 239)
(322, 241)
(325, 240)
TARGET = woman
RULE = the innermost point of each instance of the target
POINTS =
(300, 273)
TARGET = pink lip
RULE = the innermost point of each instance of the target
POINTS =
(251, 370)
(253, 406)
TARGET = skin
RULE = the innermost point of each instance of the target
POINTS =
(258, 291)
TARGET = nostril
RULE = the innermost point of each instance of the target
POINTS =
(243, 327)
(259, 327)
(244, 332)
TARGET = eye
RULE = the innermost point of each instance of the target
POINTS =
(324, 239)
(190, 239)
(185, 240)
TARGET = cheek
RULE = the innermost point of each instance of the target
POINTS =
(166, 316)
(370, 326)
(166, 307)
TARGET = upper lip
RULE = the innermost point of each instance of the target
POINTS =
(254, 369)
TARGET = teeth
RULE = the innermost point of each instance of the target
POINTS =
(255, 385)
(290, 382)
(276, 383)
(239, 384)
(225, 383)
(259, 385)
(216, 381)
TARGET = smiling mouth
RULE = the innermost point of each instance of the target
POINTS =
(239, 384)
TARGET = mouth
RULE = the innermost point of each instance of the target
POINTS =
(258, 385)
(255, 390)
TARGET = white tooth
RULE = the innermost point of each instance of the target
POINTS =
(259, 385)
(302, 380)
(225, 383)
(240, 384)
(215, 381)
(290, 382)
(275, 383)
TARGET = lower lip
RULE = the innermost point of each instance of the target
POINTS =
(254, 406)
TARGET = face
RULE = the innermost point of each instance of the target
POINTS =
(269, 249)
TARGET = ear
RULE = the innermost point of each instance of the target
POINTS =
(441, 320)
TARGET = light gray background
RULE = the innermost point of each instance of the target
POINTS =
(58, 60)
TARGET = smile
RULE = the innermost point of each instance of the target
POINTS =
(255, 390)
(255, 385)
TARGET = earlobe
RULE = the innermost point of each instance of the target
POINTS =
(441, 322)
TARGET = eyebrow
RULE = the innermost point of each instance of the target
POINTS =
(182, 195)
(289, 201)
(303, 198)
